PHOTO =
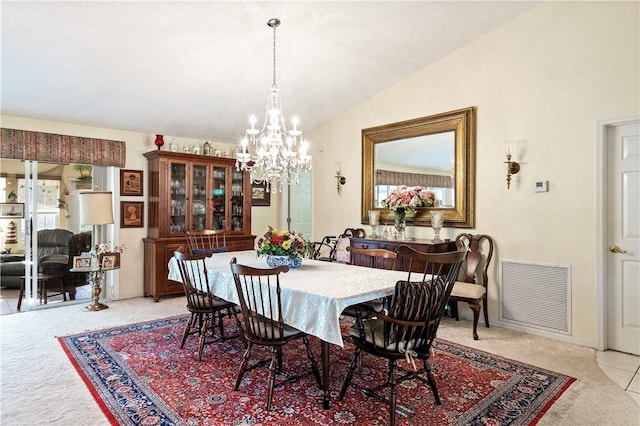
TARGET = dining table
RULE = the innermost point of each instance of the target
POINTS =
(314, 295)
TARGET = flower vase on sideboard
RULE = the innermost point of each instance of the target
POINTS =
(400, 223)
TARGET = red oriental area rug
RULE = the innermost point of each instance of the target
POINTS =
(139, 375)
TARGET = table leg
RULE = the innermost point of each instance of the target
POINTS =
(96, 279)
(325, 375)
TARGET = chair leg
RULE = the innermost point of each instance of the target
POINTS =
(484, 309)
(190, 324)
(454, 310)
(21, 294)
(276, 358)
(475, 307)
(279, 357)
(243, 366)
(347, 379)
(220, 324)
(203, 335)
(431, 381)
(394, 393)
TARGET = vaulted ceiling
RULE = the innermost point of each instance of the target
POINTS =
(199, 69)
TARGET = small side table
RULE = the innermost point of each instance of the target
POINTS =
(43, 282)
(96, 276)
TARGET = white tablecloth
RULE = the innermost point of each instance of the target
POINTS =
(313, 295)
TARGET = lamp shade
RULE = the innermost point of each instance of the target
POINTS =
(96, 208)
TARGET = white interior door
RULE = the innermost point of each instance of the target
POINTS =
(300, 205)
(623, 237)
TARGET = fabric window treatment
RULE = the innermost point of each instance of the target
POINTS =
(54, 148)
(388, 177)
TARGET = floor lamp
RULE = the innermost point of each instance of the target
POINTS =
(96, 208)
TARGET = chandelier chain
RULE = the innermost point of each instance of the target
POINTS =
(274, 56)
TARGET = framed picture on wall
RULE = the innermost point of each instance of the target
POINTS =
(131, 182)
(131, 214)
(11, 210)
(259, 195)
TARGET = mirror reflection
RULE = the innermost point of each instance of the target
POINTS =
(427, 161)
(56, 230)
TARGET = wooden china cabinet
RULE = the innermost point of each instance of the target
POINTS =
(188, 192)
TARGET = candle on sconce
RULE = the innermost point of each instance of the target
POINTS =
(508, 147)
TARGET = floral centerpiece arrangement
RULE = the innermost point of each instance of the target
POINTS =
(403, 198)
(289, 245)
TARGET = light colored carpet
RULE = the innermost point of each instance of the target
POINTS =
(39, 386)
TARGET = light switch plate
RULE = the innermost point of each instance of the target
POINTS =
(541, 186)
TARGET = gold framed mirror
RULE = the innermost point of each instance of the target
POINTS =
(436, 152)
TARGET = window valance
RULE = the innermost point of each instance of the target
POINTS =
(388, 177)
(52, 148)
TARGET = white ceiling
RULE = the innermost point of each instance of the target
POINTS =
(199, 69)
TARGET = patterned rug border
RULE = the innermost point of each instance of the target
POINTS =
(482, 358)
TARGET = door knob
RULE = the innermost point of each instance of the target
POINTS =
(615, 249)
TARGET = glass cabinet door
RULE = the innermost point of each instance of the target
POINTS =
(218, 197)
(177, 207)
(198, 196)
(236, 200)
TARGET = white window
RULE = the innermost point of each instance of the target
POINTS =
(48, 195)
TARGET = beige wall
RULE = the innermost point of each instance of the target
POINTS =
(545, 77)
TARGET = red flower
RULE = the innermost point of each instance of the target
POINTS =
(277, 240)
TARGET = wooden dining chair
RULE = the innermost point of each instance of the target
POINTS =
(374, 258)
(406, 328)
(354, 232)
(472, 287)
(207, 241)
(204, 306)
(262, 323)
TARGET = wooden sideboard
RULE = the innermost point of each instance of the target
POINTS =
(401, 263)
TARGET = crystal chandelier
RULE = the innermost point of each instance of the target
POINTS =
(280, 153)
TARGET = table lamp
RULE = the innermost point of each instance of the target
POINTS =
(96, 208)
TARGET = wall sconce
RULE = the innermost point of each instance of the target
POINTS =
(512, 167)
(341, 180)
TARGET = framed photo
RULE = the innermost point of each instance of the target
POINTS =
(259, 195)
(109, 260)
(11, 210)
(82, 262)
(131, 183)
(131, 214)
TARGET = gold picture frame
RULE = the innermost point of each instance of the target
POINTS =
(109, 260)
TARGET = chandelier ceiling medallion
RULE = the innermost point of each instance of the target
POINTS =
(280, 153)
